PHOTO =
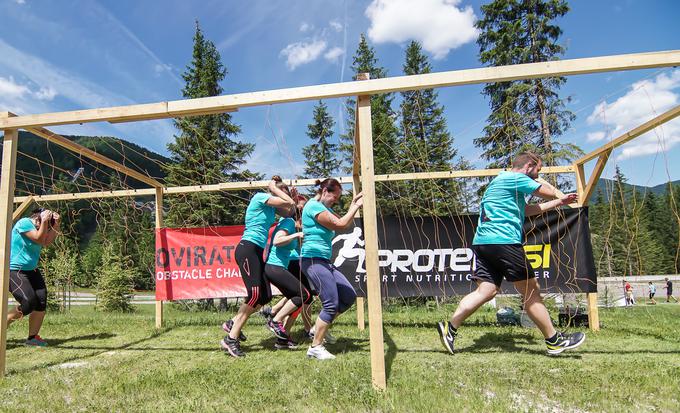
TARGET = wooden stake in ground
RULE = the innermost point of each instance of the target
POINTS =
(7, 182)
(375, 323)
(159, 225)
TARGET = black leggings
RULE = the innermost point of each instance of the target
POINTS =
(29, 290)
(250, 263)
(290, 286)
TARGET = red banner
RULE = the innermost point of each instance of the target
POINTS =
(198, 263)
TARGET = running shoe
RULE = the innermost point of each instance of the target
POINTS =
(232, 346)
(565, 341)
(278, 329)
(447, 334)
(328, 339)
(320, 353)
(266, 313)
(285, 344)
(36, 341)
(228, 325)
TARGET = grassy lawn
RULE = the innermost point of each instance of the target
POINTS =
(104, 362)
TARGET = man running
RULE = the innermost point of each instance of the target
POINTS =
(498, 248)
(669, 290)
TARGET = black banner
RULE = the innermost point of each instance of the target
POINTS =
(431, 256)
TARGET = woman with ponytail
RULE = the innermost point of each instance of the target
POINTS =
(260, 216)
(319, 224)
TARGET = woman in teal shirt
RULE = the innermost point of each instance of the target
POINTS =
(26, 284)
(260, 216)
(319, 224)
(293, 285)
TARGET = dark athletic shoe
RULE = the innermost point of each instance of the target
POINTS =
(232, 346)
(266, 313)
(565, 342)
(228, 325)
(447, 335)
(285, 344)
(36, 341)
(278, 329)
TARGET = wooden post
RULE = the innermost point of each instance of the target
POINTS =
(593, 312)
(375, 323)
(7, 183)
(159, 225)
(356, 188)
(22, 208)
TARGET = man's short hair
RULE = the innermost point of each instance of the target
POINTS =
(524, 158)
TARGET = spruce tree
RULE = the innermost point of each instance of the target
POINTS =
(425, 144)
(114, 281)
(321, 158)
(205, 151)
(383, 128)
(525, 114)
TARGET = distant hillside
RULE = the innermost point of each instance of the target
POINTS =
(607, 186)
(40, 163)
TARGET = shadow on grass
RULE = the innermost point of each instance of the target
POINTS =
(507, 342)
(100, 350)
(56, 342)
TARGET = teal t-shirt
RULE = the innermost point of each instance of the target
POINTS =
(501, 213)
(259, 218)
(317, 238)
(281, 255)
(24, 253)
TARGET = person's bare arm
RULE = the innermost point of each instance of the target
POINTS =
(536, 209)
(283, 238)
(336, 223)
(39, 236)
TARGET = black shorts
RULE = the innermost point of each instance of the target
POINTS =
(651, 295)
(29, 290)
(496, 261)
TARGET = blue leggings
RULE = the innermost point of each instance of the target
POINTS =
(335, 292)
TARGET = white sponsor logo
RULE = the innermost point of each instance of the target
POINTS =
(404, 260)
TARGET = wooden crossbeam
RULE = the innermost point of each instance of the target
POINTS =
(217, 104)
(595, 176)
(632, 134)
(234, 186)
(22, 208)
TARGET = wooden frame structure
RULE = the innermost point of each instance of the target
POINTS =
(363, 172)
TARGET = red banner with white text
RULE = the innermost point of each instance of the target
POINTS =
(196, 263)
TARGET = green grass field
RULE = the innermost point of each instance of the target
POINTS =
(104, 362)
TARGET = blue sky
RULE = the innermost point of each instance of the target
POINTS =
(71, 54)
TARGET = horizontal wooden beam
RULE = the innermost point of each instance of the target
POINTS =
(472, 173)
(234, 186)
(224, 103)
(632, 134)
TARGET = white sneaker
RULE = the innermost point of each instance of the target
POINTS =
(328, 339)
(319, 352)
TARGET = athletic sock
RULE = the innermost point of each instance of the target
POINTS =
(553, 339)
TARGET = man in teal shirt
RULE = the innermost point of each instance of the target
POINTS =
(499, 253)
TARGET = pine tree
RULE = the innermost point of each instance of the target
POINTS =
(383, 128)
(205, 151)
(114, 281)
(425, 145)
(526, 114)
(321, 155)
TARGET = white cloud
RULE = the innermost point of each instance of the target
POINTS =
(336, 25)
(439, 25)
(596, 136)
(645, 100)
(45, 93)
(303, 52)
(12, 90)
(305, 27)
(20, 1)
(333, 54)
